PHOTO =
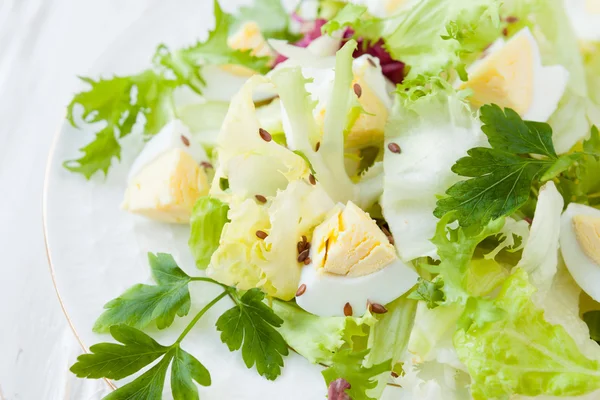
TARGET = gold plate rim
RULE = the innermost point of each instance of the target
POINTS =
(48, 168)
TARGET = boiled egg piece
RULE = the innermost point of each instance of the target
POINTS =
(166, 178)
(174, 135)
(580, 246)
(167, 188)
(224, 81)
(585, 18)
(352, 264)
(512, 75)
(372, 91)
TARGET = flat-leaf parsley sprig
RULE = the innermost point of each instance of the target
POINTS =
(501, 177)
(250, 325)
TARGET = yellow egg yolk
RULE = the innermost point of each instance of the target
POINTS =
(505, 77)
(167, 189)
(587, 230)
(350, 243)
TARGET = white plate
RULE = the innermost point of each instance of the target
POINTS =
(96, 251)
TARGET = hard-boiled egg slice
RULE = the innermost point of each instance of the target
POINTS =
(167, 188)
(585, 18)
(580, 246)
(371, 89)
(174, 135)
(352, 263)
(512, 75)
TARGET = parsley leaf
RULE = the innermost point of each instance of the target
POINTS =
(148, 386)
(116, 361)
(502, 176)
(251, 324)
(429, 292)
(348, 365)
(118, 103)
(271, 17)
(185, 370)
(141, 304)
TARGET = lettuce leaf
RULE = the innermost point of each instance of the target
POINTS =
(250, 164)
(246, 261)
(272, 18)
(328, 162)
(318, 338)
(439, 35)
(433, 127)
(388, 339)
(523, 353)
(540, 255)
(209, 216)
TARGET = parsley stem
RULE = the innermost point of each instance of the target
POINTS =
(203, 279)
(199, 315)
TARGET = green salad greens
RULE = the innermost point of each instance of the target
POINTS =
(404, 193)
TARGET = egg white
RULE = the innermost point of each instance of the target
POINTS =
(169, 138)
(549, 82)
(584, 20)
(326, 294)
(583, 269)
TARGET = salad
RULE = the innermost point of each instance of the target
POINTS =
(405, 193)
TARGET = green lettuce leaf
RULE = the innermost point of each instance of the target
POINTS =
(186, 63)
(209, 216)
(356, 17)
(434, 127)
(328, 162)
(251, 164)
(246, 261)
(112, 103)
(440, 35)
(318, 338)
(388, 339)
(523, 353)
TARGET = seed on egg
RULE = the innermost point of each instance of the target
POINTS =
(394, 148)
(301, 290)
(347, 310)
(312, 180)
(261, 234)
(185, 141)
(206, 165)
(307, 261)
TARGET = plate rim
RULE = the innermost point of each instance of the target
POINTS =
(48, 251)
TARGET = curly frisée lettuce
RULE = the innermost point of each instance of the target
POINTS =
(454, 31)
(245, 260)
(146, 99)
